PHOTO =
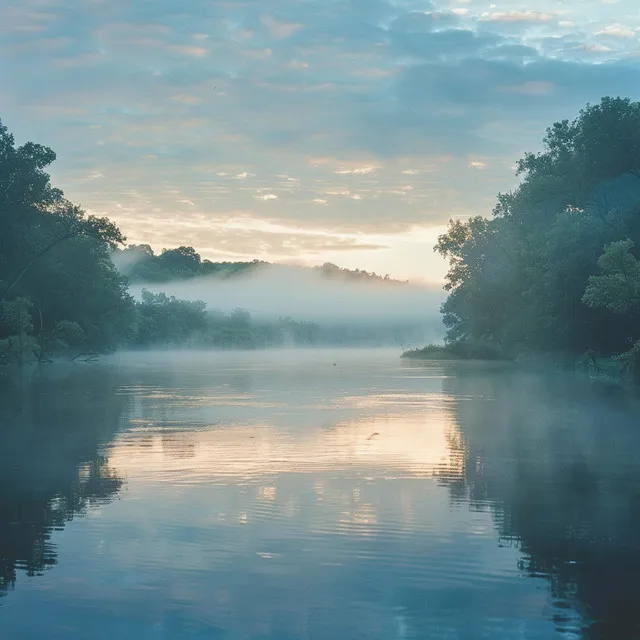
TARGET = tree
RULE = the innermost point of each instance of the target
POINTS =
(183, 262)
(167, 320)
(479, 272)
(64, 334)
(517, 280)
(618, 288)
(34, 216)
(15, 315)
(54, 254)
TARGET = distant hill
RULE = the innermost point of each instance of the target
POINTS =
(141, 265)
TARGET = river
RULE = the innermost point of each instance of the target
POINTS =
(320, 495)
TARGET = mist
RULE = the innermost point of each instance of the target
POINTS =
(305, 307)
(281, 291)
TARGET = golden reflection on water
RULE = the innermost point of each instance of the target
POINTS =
(409, 443)
(184, 397)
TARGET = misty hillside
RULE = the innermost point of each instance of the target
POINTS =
(141, 265)
(323, 305)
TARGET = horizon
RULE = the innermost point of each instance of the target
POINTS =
(304, 133)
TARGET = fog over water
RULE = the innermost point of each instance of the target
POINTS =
(304, 294)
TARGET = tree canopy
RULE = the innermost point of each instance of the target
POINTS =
(554, 267)
(55, 260)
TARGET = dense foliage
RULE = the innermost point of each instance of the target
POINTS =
(140, 264)
(554, 268)
(58, 284)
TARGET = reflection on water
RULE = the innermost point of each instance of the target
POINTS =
(51, 465)
(557, 461)
(317, 495)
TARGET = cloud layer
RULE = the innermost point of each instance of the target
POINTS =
(309, 129)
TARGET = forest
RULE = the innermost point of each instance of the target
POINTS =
(554, 270)
(65, 275)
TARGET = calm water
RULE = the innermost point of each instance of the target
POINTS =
(319, 495)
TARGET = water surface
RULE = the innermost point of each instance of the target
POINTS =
(316, 494)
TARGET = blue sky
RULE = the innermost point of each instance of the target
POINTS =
(303, 130)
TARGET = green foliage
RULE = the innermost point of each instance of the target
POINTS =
(618, 289)
(182, 262)
(526, 279)
(630, 361)
(65, 334)
(141, 265)
(55, 255)
(330, 270)
(163, 319)
(454, 351)
(431, 352)
(16, 315)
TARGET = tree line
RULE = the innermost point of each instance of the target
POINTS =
(62, 293)
(141, 264)
(555, 268)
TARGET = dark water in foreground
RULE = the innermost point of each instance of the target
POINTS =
(244, 496)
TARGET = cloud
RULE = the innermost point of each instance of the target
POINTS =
(366, 107)
(618, 31)
(446, 44)
(280, 30)
(595, 48)
(240, 236)
(188, 50)
(518, 16)
(360, 171)
(423, 21)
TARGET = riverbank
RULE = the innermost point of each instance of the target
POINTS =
(454, 351)
(622, 368)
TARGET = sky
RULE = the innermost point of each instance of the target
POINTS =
(303, 131)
